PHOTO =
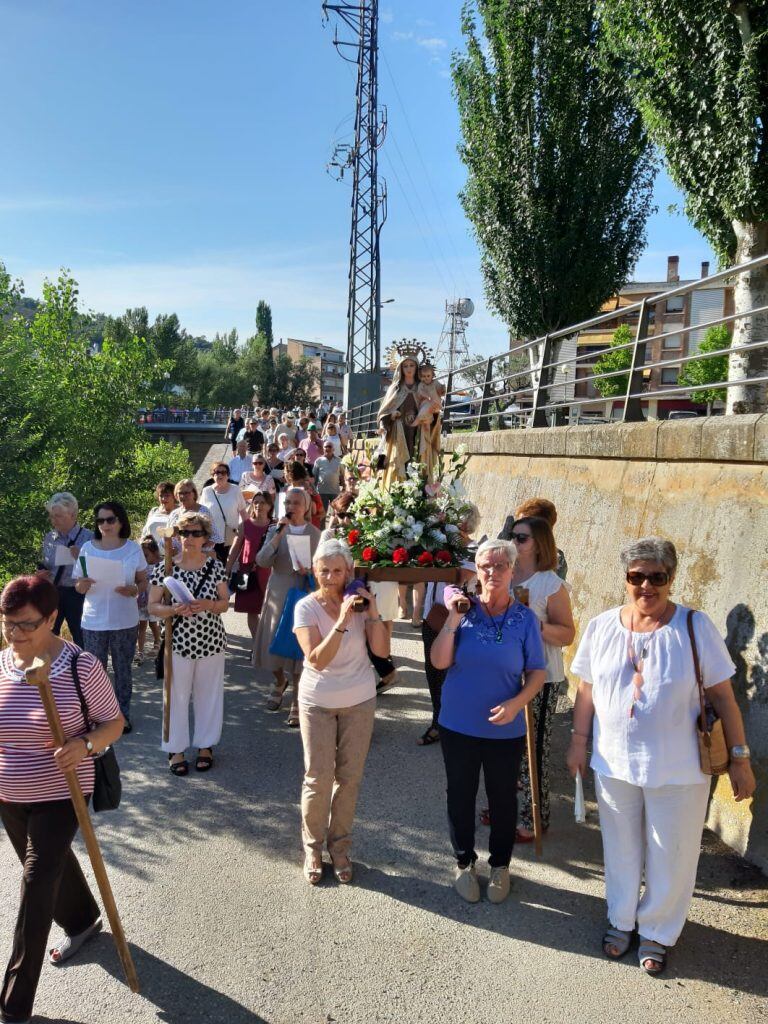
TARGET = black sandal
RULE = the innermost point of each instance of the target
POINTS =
(180, 767)
(429, 737)
(204, 762)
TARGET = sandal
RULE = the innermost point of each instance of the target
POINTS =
(293, 717)
(429, 737)
(618, 939)
(652, 952)
(343, 873)
(204, 762)
(313, 872)
(178, 767)
(70, 944)
(275, 699)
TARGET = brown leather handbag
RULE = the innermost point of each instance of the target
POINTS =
(713, 749)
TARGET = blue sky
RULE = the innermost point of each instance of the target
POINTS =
(172, 154)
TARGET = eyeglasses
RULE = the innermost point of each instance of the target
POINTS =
(106, 519)
(25, 627)
(656, 579)
(220, 472)
(521, 538)
(494, 567)
(192, 533)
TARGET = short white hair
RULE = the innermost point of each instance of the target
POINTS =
(63, 500)
(333, 549)
(497, 547)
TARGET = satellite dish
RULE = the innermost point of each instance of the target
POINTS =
(465, 308)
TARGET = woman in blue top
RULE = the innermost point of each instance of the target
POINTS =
(496, 665)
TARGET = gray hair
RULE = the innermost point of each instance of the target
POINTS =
(650, 549)
(192, 517)
(64, 500)
(305, 494)
(333, 549)
(497, 547)
(469, 516)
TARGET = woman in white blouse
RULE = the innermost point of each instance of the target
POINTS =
(535, 571)
(337, 701)
(158, 517)
(638, 701)
(227, 507)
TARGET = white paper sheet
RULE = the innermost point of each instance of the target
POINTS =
(579, 808)
(280, 505)
(178, 589)
(300, 551)
(106, 572)
(62, 555)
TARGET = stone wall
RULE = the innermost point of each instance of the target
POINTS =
(701, 483)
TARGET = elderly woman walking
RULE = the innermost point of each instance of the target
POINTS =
(275, 555)
(337, 702)
(198, 644)
(638, 701)
(35, 805)
(496, 665)
(61, 548)
(227, 507)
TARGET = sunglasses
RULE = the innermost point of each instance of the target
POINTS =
(25, 627)
(220, 472)
(106, 519)
(521, 538)
(192, 533)
(656, 579)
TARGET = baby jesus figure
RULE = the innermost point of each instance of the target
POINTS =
(429, 395)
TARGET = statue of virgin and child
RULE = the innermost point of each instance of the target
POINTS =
(409, 418)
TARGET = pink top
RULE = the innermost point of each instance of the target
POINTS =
(28, 772)
(349, 679)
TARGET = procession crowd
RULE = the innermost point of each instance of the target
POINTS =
(270, 527)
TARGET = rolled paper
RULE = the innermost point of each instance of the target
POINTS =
(579, 807)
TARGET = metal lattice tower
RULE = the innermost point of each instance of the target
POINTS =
(452, 349)
(369, 196)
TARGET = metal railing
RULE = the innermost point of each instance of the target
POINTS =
(536, 384)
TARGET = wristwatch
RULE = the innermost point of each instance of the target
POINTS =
(740, 752)
(88, 746)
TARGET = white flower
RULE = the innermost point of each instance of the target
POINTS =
(417, 529)
(410, 520)
(460, 449)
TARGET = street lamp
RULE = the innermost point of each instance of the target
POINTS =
(166, 390)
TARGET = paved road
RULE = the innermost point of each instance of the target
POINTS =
(224, 928)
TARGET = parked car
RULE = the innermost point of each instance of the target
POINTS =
(683, 414)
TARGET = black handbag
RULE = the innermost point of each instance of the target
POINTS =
(107, 787)
(160, 656)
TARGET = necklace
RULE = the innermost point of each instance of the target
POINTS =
(637, 659)
(499, 629)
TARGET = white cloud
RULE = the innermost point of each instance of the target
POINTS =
(386, 15)
(424, 23)
(432, 43)
(402, 37)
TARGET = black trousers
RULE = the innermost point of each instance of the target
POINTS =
(435, 676)
(383, 666)
(71, 612)
(464, 756)
(53, 888)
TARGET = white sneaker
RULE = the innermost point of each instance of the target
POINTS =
(466, 884)
(498, 885)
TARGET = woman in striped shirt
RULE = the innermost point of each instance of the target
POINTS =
(35, 806)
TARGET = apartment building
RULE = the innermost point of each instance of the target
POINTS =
(329, 361)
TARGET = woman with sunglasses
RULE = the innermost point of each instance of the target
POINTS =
(35, 805)
(638, 702)
(250, 538)
(495, 665)
(535, 570)
(198, 644)
(110, 612)
(227, 507)
(257, 478)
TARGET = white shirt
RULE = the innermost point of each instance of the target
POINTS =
(657, 746)
(231, 503)
(349, 679)
(541, 586)
(104, 609)
(239, 465)
(156, 520)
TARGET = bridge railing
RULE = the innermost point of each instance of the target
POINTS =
(551, 379)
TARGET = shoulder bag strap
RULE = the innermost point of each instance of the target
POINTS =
(697, 669)
(205, 575)
(78, 687)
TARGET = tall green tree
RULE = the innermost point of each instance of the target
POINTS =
(615, 359)
(700, 373)
(559, 167)
(264, 323)
(700, 79)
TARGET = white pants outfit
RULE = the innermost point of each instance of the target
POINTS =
(202, 681)
(656, 830)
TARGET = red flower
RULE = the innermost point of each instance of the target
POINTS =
(400, 556)
(425, 558)
(353, 536)
(443, 557)
(370, 555)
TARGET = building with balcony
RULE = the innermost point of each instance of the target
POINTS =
(330, 363)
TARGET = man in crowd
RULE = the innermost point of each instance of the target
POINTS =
(252, 436)
(329, 474)
(311, 444)
(61, 547)
(240, 462)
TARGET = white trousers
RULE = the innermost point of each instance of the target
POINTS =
(656, 830)
(200, 680)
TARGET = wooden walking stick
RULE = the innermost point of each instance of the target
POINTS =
(167, 534)
(37, 675)
(521, 593)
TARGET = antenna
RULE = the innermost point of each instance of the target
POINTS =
(360, 23)
(452, 348)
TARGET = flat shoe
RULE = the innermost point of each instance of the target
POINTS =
(466, 884)
(70, 944)
(498, 885)
(179, 768)
(649, 950)
(618, 939)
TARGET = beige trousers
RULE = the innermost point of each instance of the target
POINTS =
(336, 742)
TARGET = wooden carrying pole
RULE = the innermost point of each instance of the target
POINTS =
(167, 534)
(37, 675)
(521, 593)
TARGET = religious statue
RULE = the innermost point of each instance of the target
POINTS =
(409, 415)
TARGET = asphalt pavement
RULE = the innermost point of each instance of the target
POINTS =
(223, 928)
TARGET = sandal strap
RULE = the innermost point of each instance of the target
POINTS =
(618, 938)
(649, 949)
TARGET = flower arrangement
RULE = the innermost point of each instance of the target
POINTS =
(409, 525)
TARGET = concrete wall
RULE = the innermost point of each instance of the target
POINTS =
(701, 483)
(202, 440)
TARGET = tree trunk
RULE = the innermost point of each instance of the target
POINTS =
(750, 291)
